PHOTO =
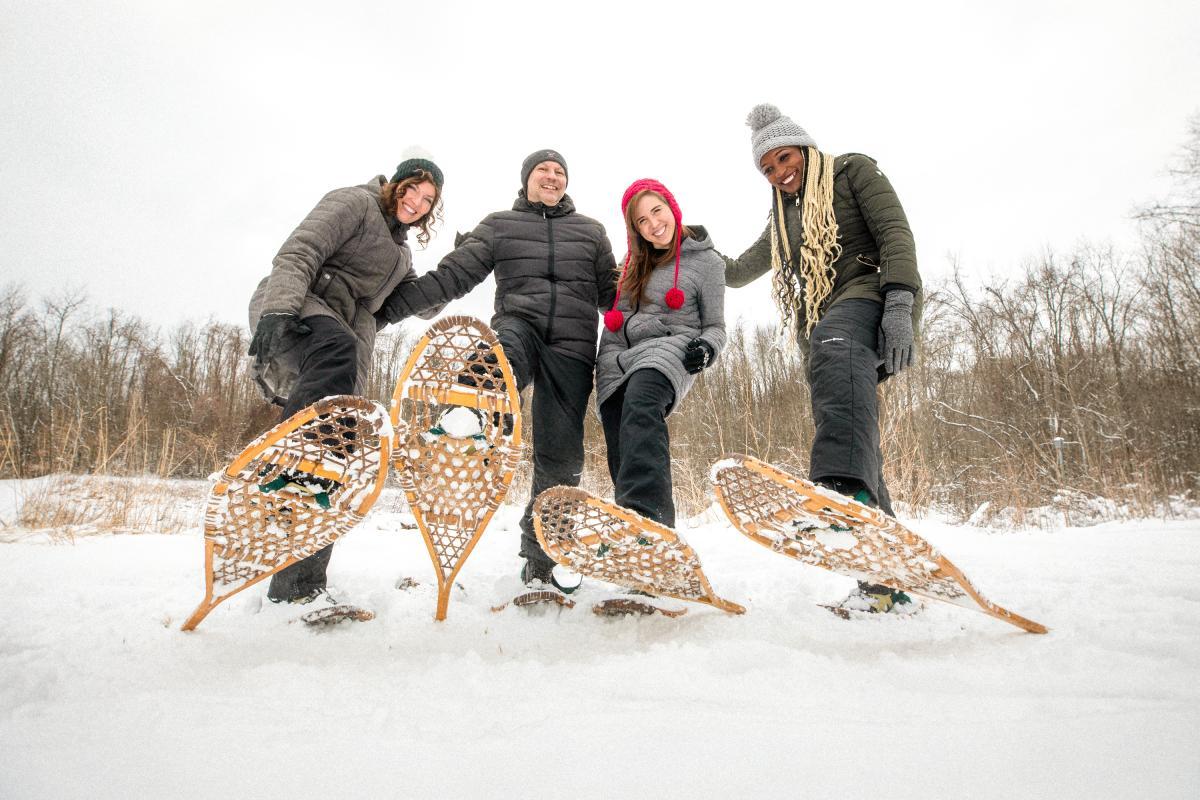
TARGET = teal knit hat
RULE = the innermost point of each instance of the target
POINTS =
(411, 166)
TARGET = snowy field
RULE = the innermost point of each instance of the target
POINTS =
(102, 696)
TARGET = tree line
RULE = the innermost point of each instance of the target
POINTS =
(1078, 380)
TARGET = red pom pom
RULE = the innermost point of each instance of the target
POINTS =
(674, 298)
(613, 320)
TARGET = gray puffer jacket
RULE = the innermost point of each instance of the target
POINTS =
(553, 269)
(341, 262)
(653, 335)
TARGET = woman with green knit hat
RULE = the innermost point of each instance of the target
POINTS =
(844, 276)
(315, 315)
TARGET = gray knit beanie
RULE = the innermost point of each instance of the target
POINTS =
(771, 129)
(535, 158)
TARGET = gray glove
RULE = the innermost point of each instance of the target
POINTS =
(896, 331)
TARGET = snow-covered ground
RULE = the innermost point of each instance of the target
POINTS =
(102, 696)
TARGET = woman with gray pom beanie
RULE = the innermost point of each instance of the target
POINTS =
(844, 275)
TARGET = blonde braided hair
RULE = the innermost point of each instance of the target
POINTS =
(806, 285)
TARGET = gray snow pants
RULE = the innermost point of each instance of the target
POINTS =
(843, 374)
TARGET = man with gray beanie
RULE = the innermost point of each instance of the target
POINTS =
(555, 275)
(844, 275)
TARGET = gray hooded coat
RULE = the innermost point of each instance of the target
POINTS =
(653, 335)
(341, 262)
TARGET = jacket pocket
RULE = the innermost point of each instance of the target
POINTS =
(332, 288)
(321, 284)
(643, 327)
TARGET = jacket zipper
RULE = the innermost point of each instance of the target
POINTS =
(625, 327)
(553, 282)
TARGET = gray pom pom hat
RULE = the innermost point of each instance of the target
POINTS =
(770, 129)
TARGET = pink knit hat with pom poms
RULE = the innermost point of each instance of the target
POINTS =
(613, 319)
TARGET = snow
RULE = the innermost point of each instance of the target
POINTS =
(102, 696)
(461, 422)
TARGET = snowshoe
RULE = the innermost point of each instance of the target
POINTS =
(638, 603)
(332, 615)
(487, 375)
(329, 611)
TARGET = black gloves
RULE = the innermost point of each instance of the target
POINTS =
(896, 331)
(275, 334)
(697, 355)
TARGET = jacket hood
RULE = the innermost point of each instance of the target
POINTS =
(699, 240)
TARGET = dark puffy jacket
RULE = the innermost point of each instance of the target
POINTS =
(554, 269)
(878, 253)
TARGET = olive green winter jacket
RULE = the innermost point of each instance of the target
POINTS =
(878, 253)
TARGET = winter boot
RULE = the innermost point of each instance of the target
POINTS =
(874, 598)
(849, 487)
(304, 599)
(319, 489)
(533, 573)
(538, 576)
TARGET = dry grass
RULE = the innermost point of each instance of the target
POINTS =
(64, 507)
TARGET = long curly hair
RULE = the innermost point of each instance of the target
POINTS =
(801, 285)
(390, 194)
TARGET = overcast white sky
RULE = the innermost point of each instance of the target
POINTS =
(156, 154)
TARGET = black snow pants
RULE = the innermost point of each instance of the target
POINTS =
(639, 445)
(328, 366)
(561, 388)
(843, 374)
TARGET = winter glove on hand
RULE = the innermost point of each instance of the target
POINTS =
(274, 334)
(697, 355)
(896, 331)
(390, 312)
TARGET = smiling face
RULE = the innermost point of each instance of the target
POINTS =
(547, 183)
(652, 218)
(783, 168)
(416, 202)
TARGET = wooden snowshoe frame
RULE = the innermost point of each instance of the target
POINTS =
(537, 597)
(250, 535)
(454, 485)
(817, 526)
(605, 541)
(634, 607)
(332, 615)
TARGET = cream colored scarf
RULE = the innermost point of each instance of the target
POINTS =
(811, 280)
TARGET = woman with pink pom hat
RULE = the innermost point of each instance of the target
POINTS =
(666, 325)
